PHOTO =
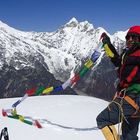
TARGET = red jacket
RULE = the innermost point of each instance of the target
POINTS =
(128, 64)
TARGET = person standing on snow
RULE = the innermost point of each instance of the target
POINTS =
(125, 107)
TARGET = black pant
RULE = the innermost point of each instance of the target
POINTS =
(111, 116)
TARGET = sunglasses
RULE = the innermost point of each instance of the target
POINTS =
(133, 36)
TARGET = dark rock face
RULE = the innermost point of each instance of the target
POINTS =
(14, 83)
(100, 82)
(97, 83)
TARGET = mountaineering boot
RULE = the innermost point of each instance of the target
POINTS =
(110, 133)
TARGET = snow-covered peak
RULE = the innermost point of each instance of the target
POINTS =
(3, 25)
(73, 20)
(82, 26)
(85, 26)
(120, 34)
(99, 31)
(10, 30)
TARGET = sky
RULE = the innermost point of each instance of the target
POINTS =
(49, 15)
(67, 110)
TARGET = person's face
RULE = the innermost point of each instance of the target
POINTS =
(131, 39)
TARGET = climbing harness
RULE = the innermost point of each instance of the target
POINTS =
(123, 96)
(128, 99)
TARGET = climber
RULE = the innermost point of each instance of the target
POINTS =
(124, 108)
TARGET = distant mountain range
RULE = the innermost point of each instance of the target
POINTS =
(29, 59)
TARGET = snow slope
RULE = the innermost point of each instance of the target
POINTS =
(67, 110)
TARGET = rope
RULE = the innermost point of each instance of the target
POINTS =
(121, 115)
(68, 127)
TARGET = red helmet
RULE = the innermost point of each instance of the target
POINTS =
(134, 33)
(134, 29)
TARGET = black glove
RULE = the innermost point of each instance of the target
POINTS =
(105, 38)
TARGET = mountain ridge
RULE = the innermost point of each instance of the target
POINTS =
(60, 53)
